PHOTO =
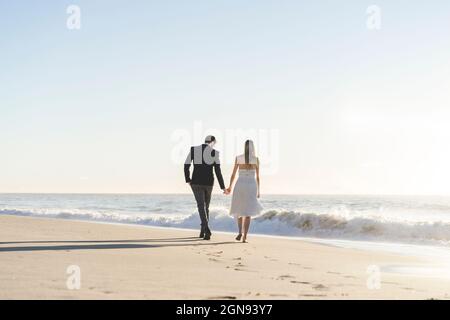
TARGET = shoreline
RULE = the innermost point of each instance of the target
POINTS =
(398, 248)
(144, 262)
(359, 244)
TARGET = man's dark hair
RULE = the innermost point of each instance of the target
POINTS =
(210, 139)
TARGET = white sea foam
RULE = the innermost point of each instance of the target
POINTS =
(272, 222)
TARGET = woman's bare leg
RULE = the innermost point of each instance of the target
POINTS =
(247, 221)
(239, 223)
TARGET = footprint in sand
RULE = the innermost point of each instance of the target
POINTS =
(333, 272)
(269, 258)
(300, 282)
(215, 254)
(285, 276)
(213, 259)
(239, 258)
(320, 287)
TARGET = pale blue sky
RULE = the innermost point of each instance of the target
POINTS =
(93, 110)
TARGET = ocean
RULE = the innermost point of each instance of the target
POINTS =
(421, 220)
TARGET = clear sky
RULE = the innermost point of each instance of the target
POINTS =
(351, 109)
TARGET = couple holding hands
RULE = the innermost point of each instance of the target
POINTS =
(244, 202)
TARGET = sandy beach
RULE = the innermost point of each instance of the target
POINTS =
(137, 262)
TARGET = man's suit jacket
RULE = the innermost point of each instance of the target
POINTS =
(205, 159)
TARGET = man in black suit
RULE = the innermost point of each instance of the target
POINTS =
(205, 159)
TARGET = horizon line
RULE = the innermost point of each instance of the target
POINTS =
(188, 193)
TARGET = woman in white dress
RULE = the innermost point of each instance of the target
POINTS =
(245, 203)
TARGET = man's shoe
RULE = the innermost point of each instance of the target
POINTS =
(202, 234)
(207, 237)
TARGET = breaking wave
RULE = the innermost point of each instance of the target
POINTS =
(274, 222)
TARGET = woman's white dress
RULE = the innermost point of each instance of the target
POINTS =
(244, 202)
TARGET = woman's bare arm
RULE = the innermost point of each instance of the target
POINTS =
(233, 175)
(257, 176)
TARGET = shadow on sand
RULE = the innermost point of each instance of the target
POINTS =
(110, 244)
